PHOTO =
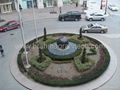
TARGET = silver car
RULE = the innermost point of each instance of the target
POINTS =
(113, 7)
(95, 16)
(94, 28)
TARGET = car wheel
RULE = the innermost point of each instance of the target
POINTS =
(90, 19)
(86, 31)
(62, 19)
(102, 32)
(5, 30)
(102, 19)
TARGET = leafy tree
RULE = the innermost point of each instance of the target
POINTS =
(84, 57)
(80, 33)
(40, 54)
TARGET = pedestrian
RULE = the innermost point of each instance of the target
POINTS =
(20, 7)
(60, 9)
(1, 50)
(76, 4)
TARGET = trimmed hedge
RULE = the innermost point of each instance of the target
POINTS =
(40, 66)
(81, 67)
(93, 51)
(19, 61)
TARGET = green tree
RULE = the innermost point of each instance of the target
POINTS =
(84, 57)
(40, 54)
(80, 33)
(45, 34)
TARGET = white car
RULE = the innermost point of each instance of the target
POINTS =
(113, 7)
(95, 16)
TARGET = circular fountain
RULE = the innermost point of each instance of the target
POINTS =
(62, 47)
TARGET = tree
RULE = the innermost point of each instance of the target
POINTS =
(45, 34)
(80, 33)
(40, 54)
(84, 57)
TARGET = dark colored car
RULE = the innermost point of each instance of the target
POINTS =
(70, 16)
(9, 26)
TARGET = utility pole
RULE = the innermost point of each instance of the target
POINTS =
(106, 7)
(35, 24)
(101, 5)
(22, 35)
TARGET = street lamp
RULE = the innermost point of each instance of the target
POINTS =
(35, 24)
(106, 7)
(101, 5)
(22, 34)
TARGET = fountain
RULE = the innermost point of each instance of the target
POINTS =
(62, 47)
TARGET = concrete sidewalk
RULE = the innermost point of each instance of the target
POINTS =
(27, 14)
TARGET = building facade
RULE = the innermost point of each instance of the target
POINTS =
(6, 7)
(45, 3)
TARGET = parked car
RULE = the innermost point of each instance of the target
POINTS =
(94, 28)
(9, 26)
(70, 16)
(113, 7)
(95, 16)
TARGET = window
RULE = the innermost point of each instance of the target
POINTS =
(98, 15)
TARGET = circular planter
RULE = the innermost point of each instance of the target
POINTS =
(63, 77)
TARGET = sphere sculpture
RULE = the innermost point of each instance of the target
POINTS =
(62, 42)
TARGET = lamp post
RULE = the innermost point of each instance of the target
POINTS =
(101, 5)
(106, 7)
(35, 24)
(22, 35)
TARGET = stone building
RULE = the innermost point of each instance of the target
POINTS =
(6, 7)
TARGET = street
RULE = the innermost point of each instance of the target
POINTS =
(12, 41)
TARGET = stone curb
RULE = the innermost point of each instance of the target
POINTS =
(104, 78)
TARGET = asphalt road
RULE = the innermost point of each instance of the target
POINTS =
(11, 41)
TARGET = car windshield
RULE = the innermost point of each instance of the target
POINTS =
(90, 25)
(6, 24)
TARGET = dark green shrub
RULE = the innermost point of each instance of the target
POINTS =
(19, 61)
(80, 33)
(45, 34)
(40, 66)
(93, 51)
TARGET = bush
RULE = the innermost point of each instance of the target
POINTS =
(40, 66)
(82, 40)
(93, 51)
(19, 61)
(81, 67)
